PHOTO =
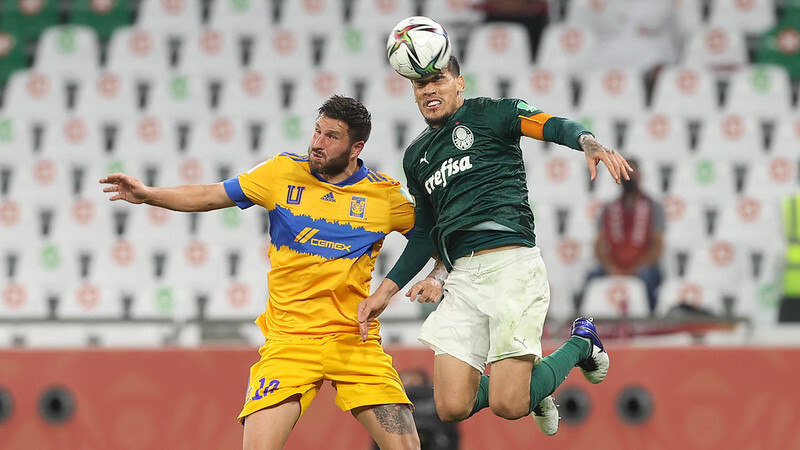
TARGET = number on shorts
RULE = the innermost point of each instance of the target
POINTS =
(271, 387)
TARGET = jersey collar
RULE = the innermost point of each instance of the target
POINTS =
(357, 176)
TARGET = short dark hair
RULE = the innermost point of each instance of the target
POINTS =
(350, 111)
(453, 66)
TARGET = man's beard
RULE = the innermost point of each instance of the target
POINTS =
(436, 122)
(333, 167)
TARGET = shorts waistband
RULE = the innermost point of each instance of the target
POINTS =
(489, 262)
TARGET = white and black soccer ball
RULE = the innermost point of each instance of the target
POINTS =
(418, 47)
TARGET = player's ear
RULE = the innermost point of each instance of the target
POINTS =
(462, 85)
(356, 148)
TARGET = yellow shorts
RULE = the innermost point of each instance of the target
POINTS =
(361, 373)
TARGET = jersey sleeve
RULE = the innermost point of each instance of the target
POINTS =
(505, 116)
(254, 186)
(401, 210)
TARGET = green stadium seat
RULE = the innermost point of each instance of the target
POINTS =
(12, 54)
(102, 15)
(27, 18)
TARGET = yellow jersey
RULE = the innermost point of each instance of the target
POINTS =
(324, 241)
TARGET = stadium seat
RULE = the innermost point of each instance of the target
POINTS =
(20, 222)
(562, 47)
(775, 176)
(659, 138)
(156, 228)
(162, 300)
(243, 18)
(233, 228)
(389, 95)
(709, 182)
(690, 15)
(455, 14)
(315, 17)
(720, 48)
(252, 94)
(22, 299)
(545, 89)
(139, 53)
(103, 17)
(561, 178)
(284, 53)
(695, 294)
(211, 54)
(762, 91)
(89, 299)
(68, 51)
(614, 93)
(221, 142)
(35, 96)
(238, 299)
(686, 226)
(176, 19)
(310, 92)
(720, 265)
(755, 225)
(74, 141)
(731, 137)
(379, 16)
(786, 135)
(16, 141)
(110, 98)
(615, 297)
(180, 98)
(750, 16)
(44, 183)
(685, 92)
(12, 54)
(349, 49)
(27, 19)
(498, 49)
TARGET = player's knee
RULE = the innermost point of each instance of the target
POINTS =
(509, 408)
(450, 411)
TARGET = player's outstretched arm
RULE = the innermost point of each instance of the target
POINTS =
(187, 198)
(595, 152)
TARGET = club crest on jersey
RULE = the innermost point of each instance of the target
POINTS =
(294, 195)
(462, 137)
(358, 207)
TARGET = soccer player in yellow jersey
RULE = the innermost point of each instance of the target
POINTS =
(328, 217)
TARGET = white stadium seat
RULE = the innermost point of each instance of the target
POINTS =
(545, 89)
(68, 51)
(749, 16)
(379, 16)
(615, 297)
(245, 18)
(35, 96)
(138, 52)
(110, 97)
(211, 54)
(763, 91)
(563, 47)
(615, 93)
(732, 137)
(685, 92)
(720, 48)
(170, 17)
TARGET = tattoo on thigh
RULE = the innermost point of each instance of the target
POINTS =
(395, 418)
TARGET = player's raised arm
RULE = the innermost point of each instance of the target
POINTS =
(546, 127)
(187, 198)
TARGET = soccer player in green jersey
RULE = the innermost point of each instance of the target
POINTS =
(467, 176)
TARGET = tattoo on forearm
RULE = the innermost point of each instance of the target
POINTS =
(590, 145)
(395, 418)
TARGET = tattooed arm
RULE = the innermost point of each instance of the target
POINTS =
(596, 152)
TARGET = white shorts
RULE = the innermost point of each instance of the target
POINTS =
(494, 308)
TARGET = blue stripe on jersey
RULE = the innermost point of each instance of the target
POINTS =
(235, 192)
(377, 176)
(319, 237)
(295, 156)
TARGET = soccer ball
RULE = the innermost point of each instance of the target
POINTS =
(418, 47)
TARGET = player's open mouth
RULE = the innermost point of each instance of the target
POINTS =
(433, 103)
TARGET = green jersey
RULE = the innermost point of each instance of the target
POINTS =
(470, 171)
(467, 178)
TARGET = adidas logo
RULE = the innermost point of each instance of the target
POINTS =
(329, 197)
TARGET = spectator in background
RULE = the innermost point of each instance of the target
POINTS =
(630, 237)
